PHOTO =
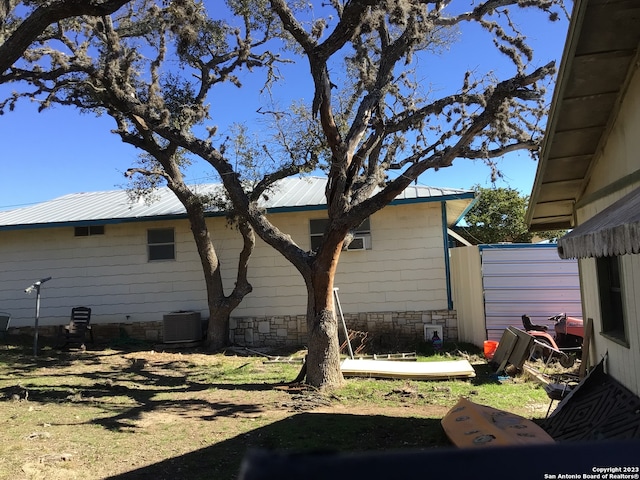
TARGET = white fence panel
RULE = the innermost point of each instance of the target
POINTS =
(527, 278)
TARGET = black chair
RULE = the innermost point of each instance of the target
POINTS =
(5, 319)
(78, 328)
(560, 388)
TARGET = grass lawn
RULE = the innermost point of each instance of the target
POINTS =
(143, 414)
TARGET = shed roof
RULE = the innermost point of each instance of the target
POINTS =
(599, 56)
(116, 206)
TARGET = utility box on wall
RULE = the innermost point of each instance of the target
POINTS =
(181, 327)
(430, 329)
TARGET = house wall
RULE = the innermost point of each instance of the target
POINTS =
(618, 160)
(391, 290)
(401, 280)
(404, 270)
(109, 273)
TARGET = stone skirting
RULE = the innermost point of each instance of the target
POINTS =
(102, 332)
(387, 328)
(268, 331)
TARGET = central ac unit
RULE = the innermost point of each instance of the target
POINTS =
(181, 327)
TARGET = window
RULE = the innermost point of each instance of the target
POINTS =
(361, 239)
(610, 290)
(89, 230)
(161, 244)
(317, 227)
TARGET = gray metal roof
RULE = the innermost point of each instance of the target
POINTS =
(116, 206)
(601, 48)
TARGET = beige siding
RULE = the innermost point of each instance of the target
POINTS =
(404, 271)
(624, 363)
(110, 273)
(618, 159)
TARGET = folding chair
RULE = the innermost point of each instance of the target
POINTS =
(76, 331)
(559, 389)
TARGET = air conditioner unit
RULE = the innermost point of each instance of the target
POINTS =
(181, 327)
(359, 243)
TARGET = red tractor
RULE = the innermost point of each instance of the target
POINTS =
(566, 343)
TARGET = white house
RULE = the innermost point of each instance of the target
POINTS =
(588, 179)
(133, 263)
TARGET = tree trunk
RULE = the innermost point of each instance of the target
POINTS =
(220, 306)
(218, 329)
(323, 359)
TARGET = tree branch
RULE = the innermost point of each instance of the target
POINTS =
(36, 23)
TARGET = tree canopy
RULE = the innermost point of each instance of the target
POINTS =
(372, 120)
(499, 216)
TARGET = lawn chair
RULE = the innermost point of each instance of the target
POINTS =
(76, 331)
(5, 319)
(560, 388)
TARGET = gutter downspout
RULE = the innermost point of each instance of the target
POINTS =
(447, 266)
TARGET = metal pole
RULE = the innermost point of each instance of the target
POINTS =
(35, 336)
(31, 288)
(344, 324)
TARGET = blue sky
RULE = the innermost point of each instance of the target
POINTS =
(60, 151)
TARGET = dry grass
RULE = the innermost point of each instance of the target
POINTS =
(145, 414)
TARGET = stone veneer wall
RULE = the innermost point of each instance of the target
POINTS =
(394, 327)
(397, 327)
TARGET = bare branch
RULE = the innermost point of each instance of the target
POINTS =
(51, 12)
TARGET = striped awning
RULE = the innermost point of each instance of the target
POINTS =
(613, 231)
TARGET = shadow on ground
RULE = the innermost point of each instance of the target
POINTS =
(336, 432)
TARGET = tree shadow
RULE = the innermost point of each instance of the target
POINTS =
(304, 432)
(125, 391)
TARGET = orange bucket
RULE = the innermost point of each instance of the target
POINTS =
(490, 347)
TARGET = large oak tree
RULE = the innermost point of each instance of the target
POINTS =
(152, 67)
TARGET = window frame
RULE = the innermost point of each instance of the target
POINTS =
(160, 246)
(611, 299)
(317, 228)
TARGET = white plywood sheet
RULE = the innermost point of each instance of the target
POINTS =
(408, 370)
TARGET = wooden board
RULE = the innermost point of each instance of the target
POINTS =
(408, 370)
(586, 344)
(469, 424)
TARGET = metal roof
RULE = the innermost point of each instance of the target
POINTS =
(116, 206)
(599, 56)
